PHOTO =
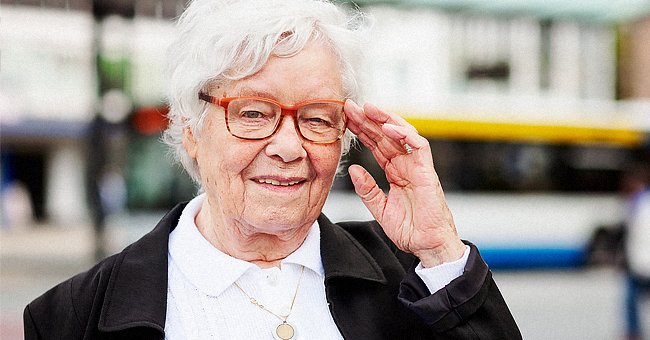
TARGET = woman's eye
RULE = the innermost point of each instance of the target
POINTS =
(252, 114)
(317, 121)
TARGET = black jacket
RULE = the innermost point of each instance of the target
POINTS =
(371, 287)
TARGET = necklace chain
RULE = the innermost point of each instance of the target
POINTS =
(254, 301)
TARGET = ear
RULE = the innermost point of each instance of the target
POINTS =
(189, 142)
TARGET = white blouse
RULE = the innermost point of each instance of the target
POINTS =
(204, 303)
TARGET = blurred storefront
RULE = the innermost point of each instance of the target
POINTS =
(76, 85)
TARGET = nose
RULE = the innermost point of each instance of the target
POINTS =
(286, 143)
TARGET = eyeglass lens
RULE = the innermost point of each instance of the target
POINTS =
(257, 119)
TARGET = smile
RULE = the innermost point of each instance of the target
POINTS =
(276, 182)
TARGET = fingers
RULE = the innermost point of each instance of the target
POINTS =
(365, 186)
(386, 135)
(379, 116)
(406, 135)
(367, 125)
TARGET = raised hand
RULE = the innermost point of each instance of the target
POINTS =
(414, 213)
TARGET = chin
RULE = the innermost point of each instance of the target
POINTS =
(279, 220)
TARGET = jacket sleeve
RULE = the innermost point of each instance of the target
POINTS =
(29, 326)
(469, 307)
(52, 315)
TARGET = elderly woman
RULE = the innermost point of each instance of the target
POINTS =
(262, 109)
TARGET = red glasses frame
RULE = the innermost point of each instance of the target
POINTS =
(286, 110)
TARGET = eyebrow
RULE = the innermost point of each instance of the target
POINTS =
(247, 91)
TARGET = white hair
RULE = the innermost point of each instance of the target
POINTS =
(220, 41)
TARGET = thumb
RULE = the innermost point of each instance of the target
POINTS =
(366, 187)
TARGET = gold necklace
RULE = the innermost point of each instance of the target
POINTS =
(284, 331)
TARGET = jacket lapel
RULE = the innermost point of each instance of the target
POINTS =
(344, 257)
(139, 278)
(350, 269)
(362, 282)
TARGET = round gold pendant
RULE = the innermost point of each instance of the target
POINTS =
(285, 331)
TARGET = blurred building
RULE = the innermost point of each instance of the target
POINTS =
(61, 69)
(515, 81)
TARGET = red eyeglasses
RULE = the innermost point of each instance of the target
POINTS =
(319, 120)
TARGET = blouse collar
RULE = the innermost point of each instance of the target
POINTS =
(202, 263)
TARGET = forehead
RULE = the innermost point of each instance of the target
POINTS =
(313, 73)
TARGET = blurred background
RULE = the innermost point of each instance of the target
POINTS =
(533, 108)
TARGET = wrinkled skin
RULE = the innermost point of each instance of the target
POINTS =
(264, 222)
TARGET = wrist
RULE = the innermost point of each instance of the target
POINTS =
(447, 252)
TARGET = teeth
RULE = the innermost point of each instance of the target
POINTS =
(276, 182)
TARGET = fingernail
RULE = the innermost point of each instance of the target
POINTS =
(353, 106)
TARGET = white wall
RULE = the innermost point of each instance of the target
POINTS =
(47, 64)
(407, 58)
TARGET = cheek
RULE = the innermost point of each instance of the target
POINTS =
(221, 157)
(326, 160)
(225, 165)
